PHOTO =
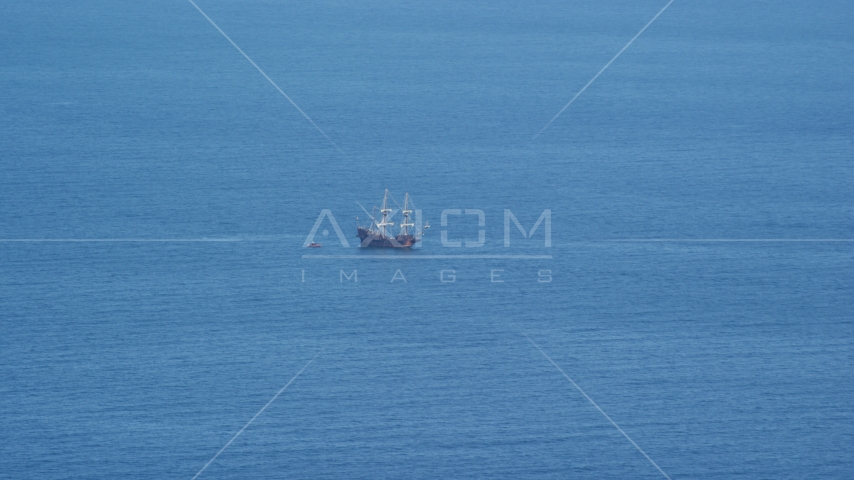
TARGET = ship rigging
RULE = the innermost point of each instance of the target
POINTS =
(380, 233)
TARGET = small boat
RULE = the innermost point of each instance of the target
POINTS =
(314, 245)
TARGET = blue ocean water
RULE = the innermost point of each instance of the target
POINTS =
(138, 121)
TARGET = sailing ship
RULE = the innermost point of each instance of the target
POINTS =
(380, 232)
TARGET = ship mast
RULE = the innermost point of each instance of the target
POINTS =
(385, 211)
(404, 227)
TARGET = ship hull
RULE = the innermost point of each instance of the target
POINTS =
(373, 239)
